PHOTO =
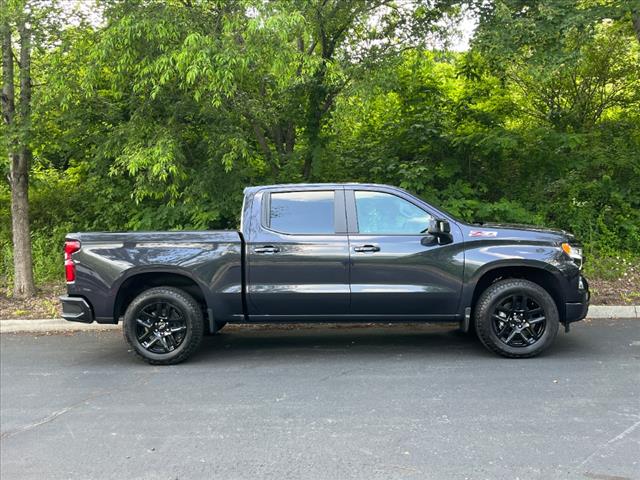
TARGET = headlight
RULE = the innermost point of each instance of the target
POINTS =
(575, 253)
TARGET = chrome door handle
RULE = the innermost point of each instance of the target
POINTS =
(266, 249)
(366, 248)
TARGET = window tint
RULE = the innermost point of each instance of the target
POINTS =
(383, 213)
(302, 212)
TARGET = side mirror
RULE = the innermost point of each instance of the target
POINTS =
(438, 227)
(440, 230)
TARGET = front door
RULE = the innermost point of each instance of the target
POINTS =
(298, 255)
(396, 269)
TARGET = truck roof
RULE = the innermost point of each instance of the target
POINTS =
(257, 188)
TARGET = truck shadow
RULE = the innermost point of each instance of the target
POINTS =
(442, 341)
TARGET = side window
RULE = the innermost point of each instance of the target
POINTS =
(382, 213)
(302, 212)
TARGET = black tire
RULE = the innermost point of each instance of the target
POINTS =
(516, 318)
(146, 318)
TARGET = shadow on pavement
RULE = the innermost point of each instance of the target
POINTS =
(443, 341)
(322, 342)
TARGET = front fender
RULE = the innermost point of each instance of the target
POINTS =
(483, 257)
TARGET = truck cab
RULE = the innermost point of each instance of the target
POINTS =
(360, 252)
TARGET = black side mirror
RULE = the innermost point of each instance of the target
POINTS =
(438, 227)
(440, 230)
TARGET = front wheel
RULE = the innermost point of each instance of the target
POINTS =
(516, 318)
(163, 325)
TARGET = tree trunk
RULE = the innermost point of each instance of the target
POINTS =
(22, 257)
(23, 285)
(635, 18)
(19, 155)
(317, 98)
(8, 93)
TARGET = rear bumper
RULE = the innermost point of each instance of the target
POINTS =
(576, 311)
(76, 309)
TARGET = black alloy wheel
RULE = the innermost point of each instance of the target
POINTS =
(163, 325)
(160, 327)
(518, 320)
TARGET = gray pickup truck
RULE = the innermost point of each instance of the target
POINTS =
(328, 253)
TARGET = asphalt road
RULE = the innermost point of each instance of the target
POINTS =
(364, 403)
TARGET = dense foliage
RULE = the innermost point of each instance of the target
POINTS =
(157, 116)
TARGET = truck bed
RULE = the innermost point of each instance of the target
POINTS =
(212, 260)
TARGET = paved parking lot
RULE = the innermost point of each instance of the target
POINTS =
(329, 403)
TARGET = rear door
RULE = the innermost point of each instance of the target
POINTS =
(396, 269)
(298, 254)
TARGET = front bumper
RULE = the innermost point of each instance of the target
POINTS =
(576, 311)
(76, 309)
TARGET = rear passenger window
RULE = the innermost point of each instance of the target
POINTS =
(302, 212)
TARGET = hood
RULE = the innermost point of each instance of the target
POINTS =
(518, 231)
(520, 226)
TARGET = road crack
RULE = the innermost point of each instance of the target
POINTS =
(50, 418)
(58, 413)
(618, 437)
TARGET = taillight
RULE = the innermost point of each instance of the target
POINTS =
(70, 246)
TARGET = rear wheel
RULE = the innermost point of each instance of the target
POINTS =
(516, 318)
(163, 325)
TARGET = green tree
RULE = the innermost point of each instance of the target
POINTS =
(29, 31)
(272, 70)
(16, 111)
(571, 61)
(158, 113)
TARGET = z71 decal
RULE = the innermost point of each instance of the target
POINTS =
(483, 233)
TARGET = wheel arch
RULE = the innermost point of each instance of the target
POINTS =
(137, 282)
(537, 274)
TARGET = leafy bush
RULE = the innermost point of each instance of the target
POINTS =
(158, 120)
